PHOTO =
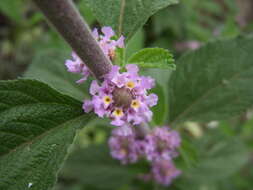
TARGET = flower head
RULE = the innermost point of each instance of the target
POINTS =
(129, 144)
(164, 143)
(123, 97)
(106, 42)
(108, 45)
(123, 145)
(76, 65)
(164, 171)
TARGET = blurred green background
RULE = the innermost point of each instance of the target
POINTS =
(214, 156)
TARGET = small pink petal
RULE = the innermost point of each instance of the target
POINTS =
(120, 42)
(95, 33)
(94, 87)
(87, 106)
(108, 32)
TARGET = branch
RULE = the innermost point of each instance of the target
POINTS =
(69, 23)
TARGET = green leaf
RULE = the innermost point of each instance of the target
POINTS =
(136, 43)
(12, 9)
(162, 77)
(49, 67)
(126, 16)
(86, 12)
(153, 58)
(219, 157)
(188, 152)
(213, 83)
(37, 126)
(94, 166)
(160, 112)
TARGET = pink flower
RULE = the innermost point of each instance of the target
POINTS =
(108, 45)
(164, 171)
(158, 147)
(106, 42)
(123, 145)
(164, 143)
(76, 65)
(123, 97)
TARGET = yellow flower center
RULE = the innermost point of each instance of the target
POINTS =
(111, 54)
(118, 112)
(123, 151)
(135, 104)
(107, 100)
(130, 84)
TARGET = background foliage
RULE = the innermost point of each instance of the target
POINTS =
(216, 152)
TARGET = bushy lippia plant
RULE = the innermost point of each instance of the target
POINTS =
(38, 123)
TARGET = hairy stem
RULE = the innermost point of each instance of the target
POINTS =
(72, 27)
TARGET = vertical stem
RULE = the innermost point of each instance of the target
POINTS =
(69, 23)
(121, 16)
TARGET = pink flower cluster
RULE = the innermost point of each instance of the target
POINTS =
(106, 42)
(108, 45)
(76, 65)
(163, 172)
(158, 146)
(123, 97)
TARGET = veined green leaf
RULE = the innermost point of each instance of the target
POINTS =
(214, 82)
(217, 160)
(126, 16)
(49, 67)
(219, 157)
(95, 167)
(37, 126)
(153, 58)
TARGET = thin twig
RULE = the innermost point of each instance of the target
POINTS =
(72, 27)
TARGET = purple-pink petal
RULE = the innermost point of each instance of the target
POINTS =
(94, 87)
(152, 99)
(107, 45)
(147, 82)
(132, 69)
(95, 33)
(164, 171)
(108, 32)
(120, 42)
(87, 106)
